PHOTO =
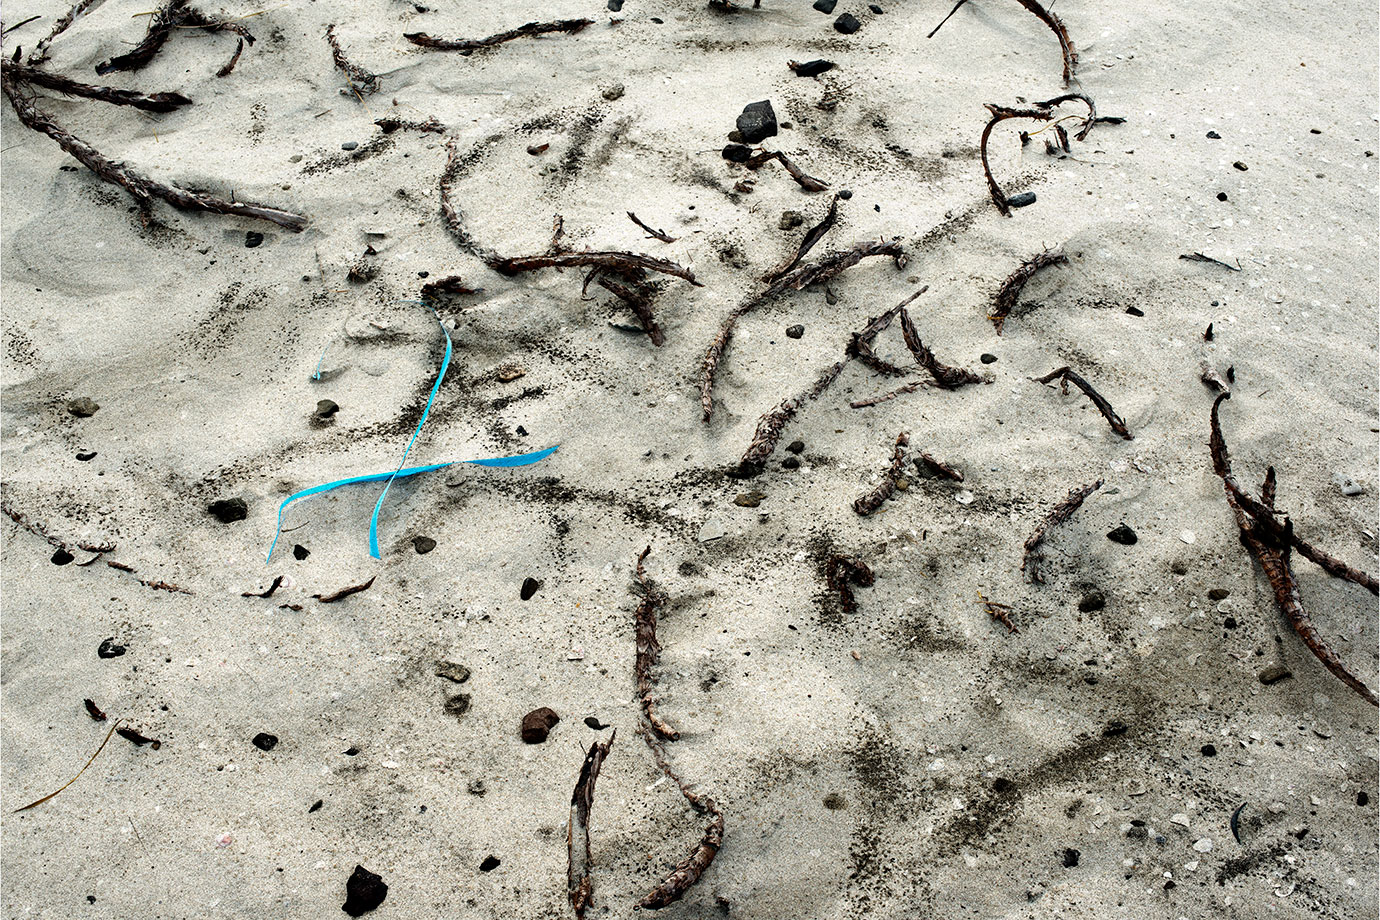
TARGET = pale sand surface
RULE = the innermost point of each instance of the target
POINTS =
(966, 761)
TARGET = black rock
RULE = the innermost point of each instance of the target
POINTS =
(1241, 166)
(1021, 200)
(1218, 594)
(594, 723)
(737, 153)
(1229, 623)
(615, 6)
(109, 649)
(300, 552)
(988, 359)
(530, 586)
(845, 193)
(86, 455)
(1362, 799)
(791, 463)
(537, 724)
(1092, 601)
(1135, 311)
(1214, 135)
(1275, 675)
(264, 741)
(1123, 535)
(1209, 750)
(795, 332)
(490, 863)
(316, 806)
(325, 408)
(812, 68)
(875, 8)
(758, 122)
(229, 510)
(1221, 196)
(253, 239)
(83, 407)
(1071, 858)
(826, 6)
(847, 24)
(796, 447)
(423, 545)
(363, 892)
(62, 557)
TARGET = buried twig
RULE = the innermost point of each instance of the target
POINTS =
(807, 242)
(579, 883)
(22, 520)
(841, 573)
(1066, 376)
(343, 592)
(807, 182)
(94, 711)
(860, 345)
(924, 462)
(654, 234)
(771, 425)
(469, 46)
(649, 650)
(277, 581)
(621, 262)
(428, 125)
(159, 28)
(872, 500)
(999, 612)
(156, 585)
(948, 378)
(358, 78)
(1005, 300)
(999, 114)
(108, 735)
(449, 285)
(234, 59)
(450, 213)
(1270, 543)
(63, 23)
(633, 290)
(143, 188)
(1199, 257)
(149, 102)
(1066, 49)
(1030, 561)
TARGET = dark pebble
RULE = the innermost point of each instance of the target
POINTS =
(1362, 799)
(790, 463)
(351, 751)
(615, 6)
(325, 408)
(1229, 622)
(363, 892)
(796, 447)
(1135, 311)
(1275, 675)
(813, 68)
(758, 122)
(83, 407)
(835, 802)
(1209, 750)
(457, 705)
(316, 806)
(737, 153)
(1093, 600)
(1123, 535)
(1218, 594)
(1021, 199)
(229, 510)
(253, 239)
(875, 8)
(1071, 858)
(109, 649)
(349, 145)
(264, 741)
(62, 557)
(1241, 166)
(423, 545)
(1001, 785)
(847, 24)
(86, 455)
(749, 499)
(795, 332)
(1221, 196)
(845, 193)
(988, 359)
(1138, 833)
(530, 586)
(657, 20)
(537, 724)
(454, 671)
(490, 863)
(1214, 135)
(594, 723)
(826, 6)
(300, 552)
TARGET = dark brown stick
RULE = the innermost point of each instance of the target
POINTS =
(872, 500)
(450, 213)
(890, 395)
(807, 182)
(137, 184)
(343, 592)
(1030, 562)
(267, 593)
(860, 346)
(937, 467)
(621, 262)
(358, 78)
(1084, 98)
(1067, 376)
(234, 59)
(812, 236)
(771, 425)
(154, 102)
(469, 46)
(430, 125)
(1011, 288)
(1271, 551)
(22, 520)
(1056, 26)
(159, 28)
(841, 573)
(450, 285)
(1000, 114)
(946, 18)
(579, 882)
(949, 378)
(94, 711)
(654, 234)
(40, 52)
(649, 651)
(637, 294)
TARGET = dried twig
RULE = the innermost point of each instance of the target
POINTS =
(621, 262)
(841, 573)
(94, 711)
(999, 612)
(1011, 288)
(159, 28)
(234, 59)
(151, 102)
(358, 78)
(428, 126)
(999, 114)
(860, 345)
(1199, 257)
(343, 592)
(871, 501)
(1030, 562)
(1088, 122)
(451, 213)
(890, 394)
(22, 520)
(1270, 543)
(938, 468)
(807, 182)
(108, 736)
(949, 378)
(579, 883)
(277, 581)
(469, 46)
(654, 234)
(450, 285)
(143, 188)
(649, 650)
(1066, 48)
(812, 236)
(155, 585)
(771, 425)
(633, 290)
(40, 52)
(1067, 376)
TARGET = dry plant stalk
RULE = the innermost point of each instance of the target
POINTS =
(159, 28)
(809, 183)
(22, 520)
(860, 345)
(234, 59)
(1011, 288)
(1030, 562)
(150, 102)
(1088, 122)
(156, 585)
(579, 882)
(938, 468)
(771, 425)
(632, 288)
(812, 236)
(999, 612)
(358, 78)
(137, 184)
(1001, 113)
(277, 581)
(871, 501)
(450, 213)
(108, 736)
(1270, 542)
(64, 22)
(469, 46)
(949, 378)
(654, 234)
(841, 573)
(1066, 376)
(1066, 49)
(621, 262)
(344, 592)
(429, 125)
(649, 650)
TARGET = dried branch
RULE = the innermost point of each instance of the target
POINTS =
(1030, 562)
(1067, 376)
(841, 573)
(1000, 114)
(937, 467)
(890, 395)
(999, 612)
(277, 581)
(812, 236)
(1056, 26)
(654, 234)
(1199, 257)
(579, 883)
(860, 345)
(649, 651)
(809, 183)
(771, 425)
(451, 213)
(358, 78)
(154, 102)
(469, 46)
(1270, 544)
(22, 520)
(949, 378)
(234, 59)
(430, 125)
(871, 501)
(621, 262)
(155, 585)
(140, 186)
(450, 285)
(40, 52)
(344, 592)
(1011, 288)
(636, 293)
(1088, 122)
(160, 27)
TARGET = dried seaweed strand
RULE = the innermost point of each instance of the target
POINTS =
(999, 114)
(1066, 49)
(277, 581)
(469, 46)
(1005, 300)
(156, 585)
(890, 394)
(623, 262)
(807, 182)
(860, 345)
(999, 612)
(771, 425)
(22, 520)
(1066, 375)
(94, 711)
(649, 650)
(689, 870)
(1272, 552)
(949, 378)
(430, 125)
(807, 242)
(841, 573)
(143, 188)
(451, 214)
(937, 467)
(872, 500)
(654, 234)
(1030, 562)
(151, 102)
(159, 28)
(343, 592)
(579, 883)
(1211, 379)
(449, 285)
(234, 59)
(108, 736)
(637, 294)
(358, 78)
(40, 52)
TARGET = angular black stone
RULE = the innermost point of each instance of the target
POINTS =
(229, 510)
(737, 153)
(826, 6)
(758, 122)
(264, 741)
(847, 24)
(363, 892)
(812, 68)
(1123, 535)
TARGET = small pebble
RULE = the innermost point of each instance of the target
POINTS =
(1275, 674)
(423, 545)
(749, 499)
(1208, 750)
(712, 529)
(61, 557)
(614, 92)
(795, 332)
(1188, 537)
(490, 863)
(86, 455)
(300, 552)
(457, 705)
(83, 407)
(790, 220)
(594, 723)
(790, 463)
(1203, 845)
(796, 447)
(229, 510)
(1241, 166)
(826, 6)
(988, 359)
(847, 24)
(1362, 799)
(349, 145)
(264, 741)
(875, 8)
(845, 194)
(1071, 857)
(1221, 196)
(530, 586)
(1123, 535)
(109, 649)
(452, 671)
(813, 68)
(364, 891)
(325, 408)
(1214, 135)
(1218, 594)
(537, 724)
(1021, 199)
(1135, 311)
(615, 6)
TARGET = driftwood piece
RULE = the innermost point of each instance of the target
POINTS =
(842, 573)
(622, 262)
(469, 46)
(579, 880)
(360, 80)
(143, 188)
(812, 236)
(654, 234)
(149, 102)
(1002, 113)
(924, 462)
(872, 500)
(1066, 376)
(344, 592)
(1011, 288)
(268, 592)
(1030, 562)
(1270, 542)
(949, 378)
(649, 651)
(807, 182)
(159, 28)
